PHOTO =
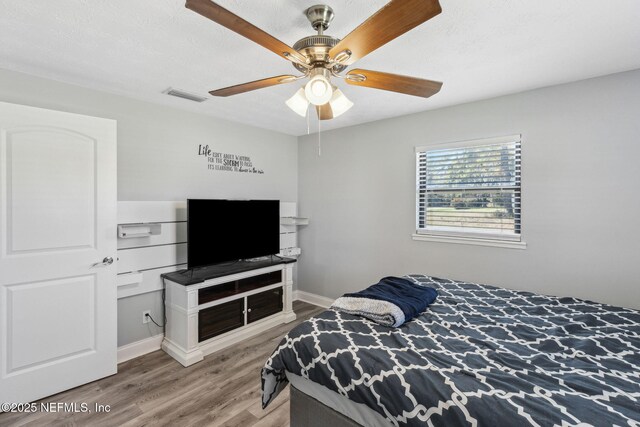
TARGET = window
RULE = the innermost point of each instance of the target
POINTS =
(470, 190)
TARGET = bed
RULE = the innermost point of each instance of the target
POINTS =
(480, 355)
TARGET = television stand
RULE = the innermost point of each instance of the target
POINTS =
(214, 307)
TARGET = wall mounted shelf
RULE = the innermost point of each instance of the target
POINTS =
(293, 220)
(130, 231)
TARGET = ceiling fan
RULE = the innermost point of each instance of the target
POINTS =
(321, 57)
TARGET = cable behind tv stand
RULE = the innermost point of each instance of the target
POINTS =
(214, 307)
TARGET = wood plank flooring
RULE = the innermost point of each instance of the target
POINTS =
(155, 390)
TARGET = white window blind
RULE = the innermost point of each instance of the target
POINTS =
(470, 190)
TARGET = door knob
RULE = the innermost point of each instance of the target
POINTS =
(106, 261)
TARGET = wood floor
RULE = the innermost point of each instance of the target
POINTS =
(155, 390)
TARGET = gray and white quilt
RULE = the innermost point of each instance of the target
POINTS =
(479, 355)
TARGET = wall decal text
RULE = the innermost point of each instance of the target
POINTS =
(227, 162)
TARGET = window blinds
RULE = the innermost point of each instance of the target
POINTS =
(470, 190)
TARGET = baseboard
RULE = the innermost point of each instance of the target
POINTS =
(148, 345)
(185, 358)
(314, 299)
(139, 348)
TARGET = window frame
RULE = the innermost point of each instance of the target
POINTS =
(514, 241)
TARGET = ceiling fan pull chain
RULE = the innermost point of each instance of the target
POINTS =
(319, 139)
(308, 126)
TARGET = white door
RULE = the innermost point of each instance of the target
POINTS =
(58, 205)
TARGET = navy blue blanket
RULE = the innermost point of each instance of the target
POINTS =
(410, 297)
(390, 302)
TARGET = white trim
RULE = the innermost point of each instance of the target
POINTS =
(126, 279)
(314, 299)
(237, 276)
(457, 232)
(139, 348)
(470, 143)
(470, 241)
(213, 303)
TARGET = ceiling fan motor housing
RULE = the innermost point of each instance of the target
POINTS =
(317, 48)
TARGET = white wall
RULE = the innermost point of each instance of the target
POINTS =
(158, 159)
(581, 201)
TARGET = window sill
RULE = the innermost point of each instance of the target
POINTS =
(470, 241)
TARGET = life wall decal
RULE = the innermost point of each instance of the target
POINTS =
(227, 162)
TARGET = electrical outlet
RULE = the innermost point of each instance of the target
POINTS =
(145, 316)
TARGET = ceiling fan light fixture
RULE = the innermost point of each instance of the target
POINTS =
(339, 103)
(298, 103)
(318, 90)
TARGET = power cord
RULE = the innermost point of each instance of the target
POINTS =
(164, 307)
(154, 322)
(164, 310)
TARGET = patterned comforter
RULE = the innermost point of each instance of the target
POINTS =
(479, 355)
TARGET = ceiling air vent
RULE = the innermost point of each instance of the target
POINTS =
(185, 95)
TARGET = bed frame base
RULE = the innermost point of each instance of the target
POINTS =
(306, 411)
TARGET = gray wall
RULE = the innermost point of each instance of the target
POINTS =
(158, 146)
(581, 142)
(157, 160)
(580, 151)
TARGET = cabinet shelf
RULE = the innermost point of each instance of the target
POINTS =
(293, 220)
(236, 287)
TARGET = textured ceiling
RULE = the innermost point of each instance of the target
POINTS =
(478, 48)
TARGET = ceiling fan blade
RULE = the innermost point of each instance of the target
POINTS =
(394, 19)
(324, 111)
(257, 84)
(393, 82)
(222, 16)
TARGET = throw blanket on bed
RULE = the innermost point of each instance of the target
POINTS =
(480, 356)
(390, 302)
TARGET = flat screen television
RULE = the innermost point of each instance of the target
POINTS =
(228, 230)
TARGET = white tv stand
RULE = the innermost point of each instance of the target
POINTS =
(223, 305)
